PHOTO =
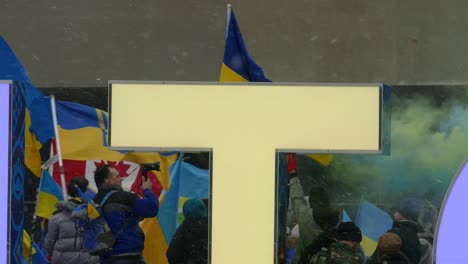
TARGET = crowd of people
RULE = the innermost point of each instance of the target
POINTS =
(123, 211)
(319, 236)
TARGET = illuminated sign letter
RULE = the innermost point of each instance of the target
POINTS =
(245, 125)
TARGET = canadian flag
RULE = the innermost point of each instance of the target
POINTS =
(130, 172)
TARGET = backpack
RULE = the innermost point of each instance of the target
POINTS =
(98, 238)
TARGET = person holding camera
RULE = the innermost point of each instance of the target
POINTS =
(123, 211)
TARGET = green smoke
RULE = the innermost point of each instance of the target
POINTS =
(429, 142)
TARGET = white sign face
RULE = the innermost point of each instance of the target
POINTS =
(234, 119)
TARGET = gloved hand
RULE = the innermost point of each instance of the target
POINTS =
(292, 165)
(146, 184)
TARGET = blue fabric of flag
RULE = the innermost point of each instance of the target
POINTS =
(372, 220)
(90, 193)
(50, 194)
(170, 206)
(40, 256)
(50, 186)
(236, 56)
(186, 181)
(72, 115)
(346, 217)
(10, 66)
(194, 182)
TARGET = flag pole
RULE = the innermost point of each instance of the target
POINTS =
(229, 6)
(37, 199)
(59, 150)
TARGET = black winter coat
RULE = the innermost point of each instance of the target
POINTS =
(189, 245)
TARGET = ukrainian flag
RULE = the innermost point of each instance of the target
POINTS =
(86, 199)
(237, 65)
(158, 228)
(50, 194)
(12, 69)
(31, 251)
(373, 223)
(28, 249)
(32, 158)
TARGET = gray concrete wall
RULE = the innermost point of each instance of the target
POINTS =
(85, 43)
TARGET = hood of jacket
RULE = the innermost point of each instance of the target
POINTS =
(69, 205)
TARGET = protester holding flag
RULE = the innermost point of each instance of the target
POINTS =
(64, 241)
(316, 220)
(123, 211)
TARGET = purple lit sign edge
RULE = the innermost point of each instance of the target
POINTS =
(451, 230)
(4, 166)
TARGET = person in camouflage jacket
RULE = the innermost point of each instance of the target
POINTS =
(304, 213)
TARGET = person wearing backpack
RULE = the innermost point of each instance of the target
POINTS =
(123, 211)
(316, 219)
(64, 242)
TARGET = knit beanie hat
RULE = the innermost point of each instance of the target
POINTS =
(194, 209)
(410, 208)
(348, 231)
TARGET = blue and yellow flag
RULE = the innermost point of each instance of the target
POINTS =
(237, 65)
(373, 223)
(31, 251)
(186, 181)
(28, 249)
(50, 194)
(12, 69)
(83, 134)
(88, 200)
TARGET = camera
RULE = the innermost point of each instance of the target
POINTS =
(151, 166)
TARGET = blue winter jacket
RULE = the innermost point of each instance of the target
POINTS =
(123, 211)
